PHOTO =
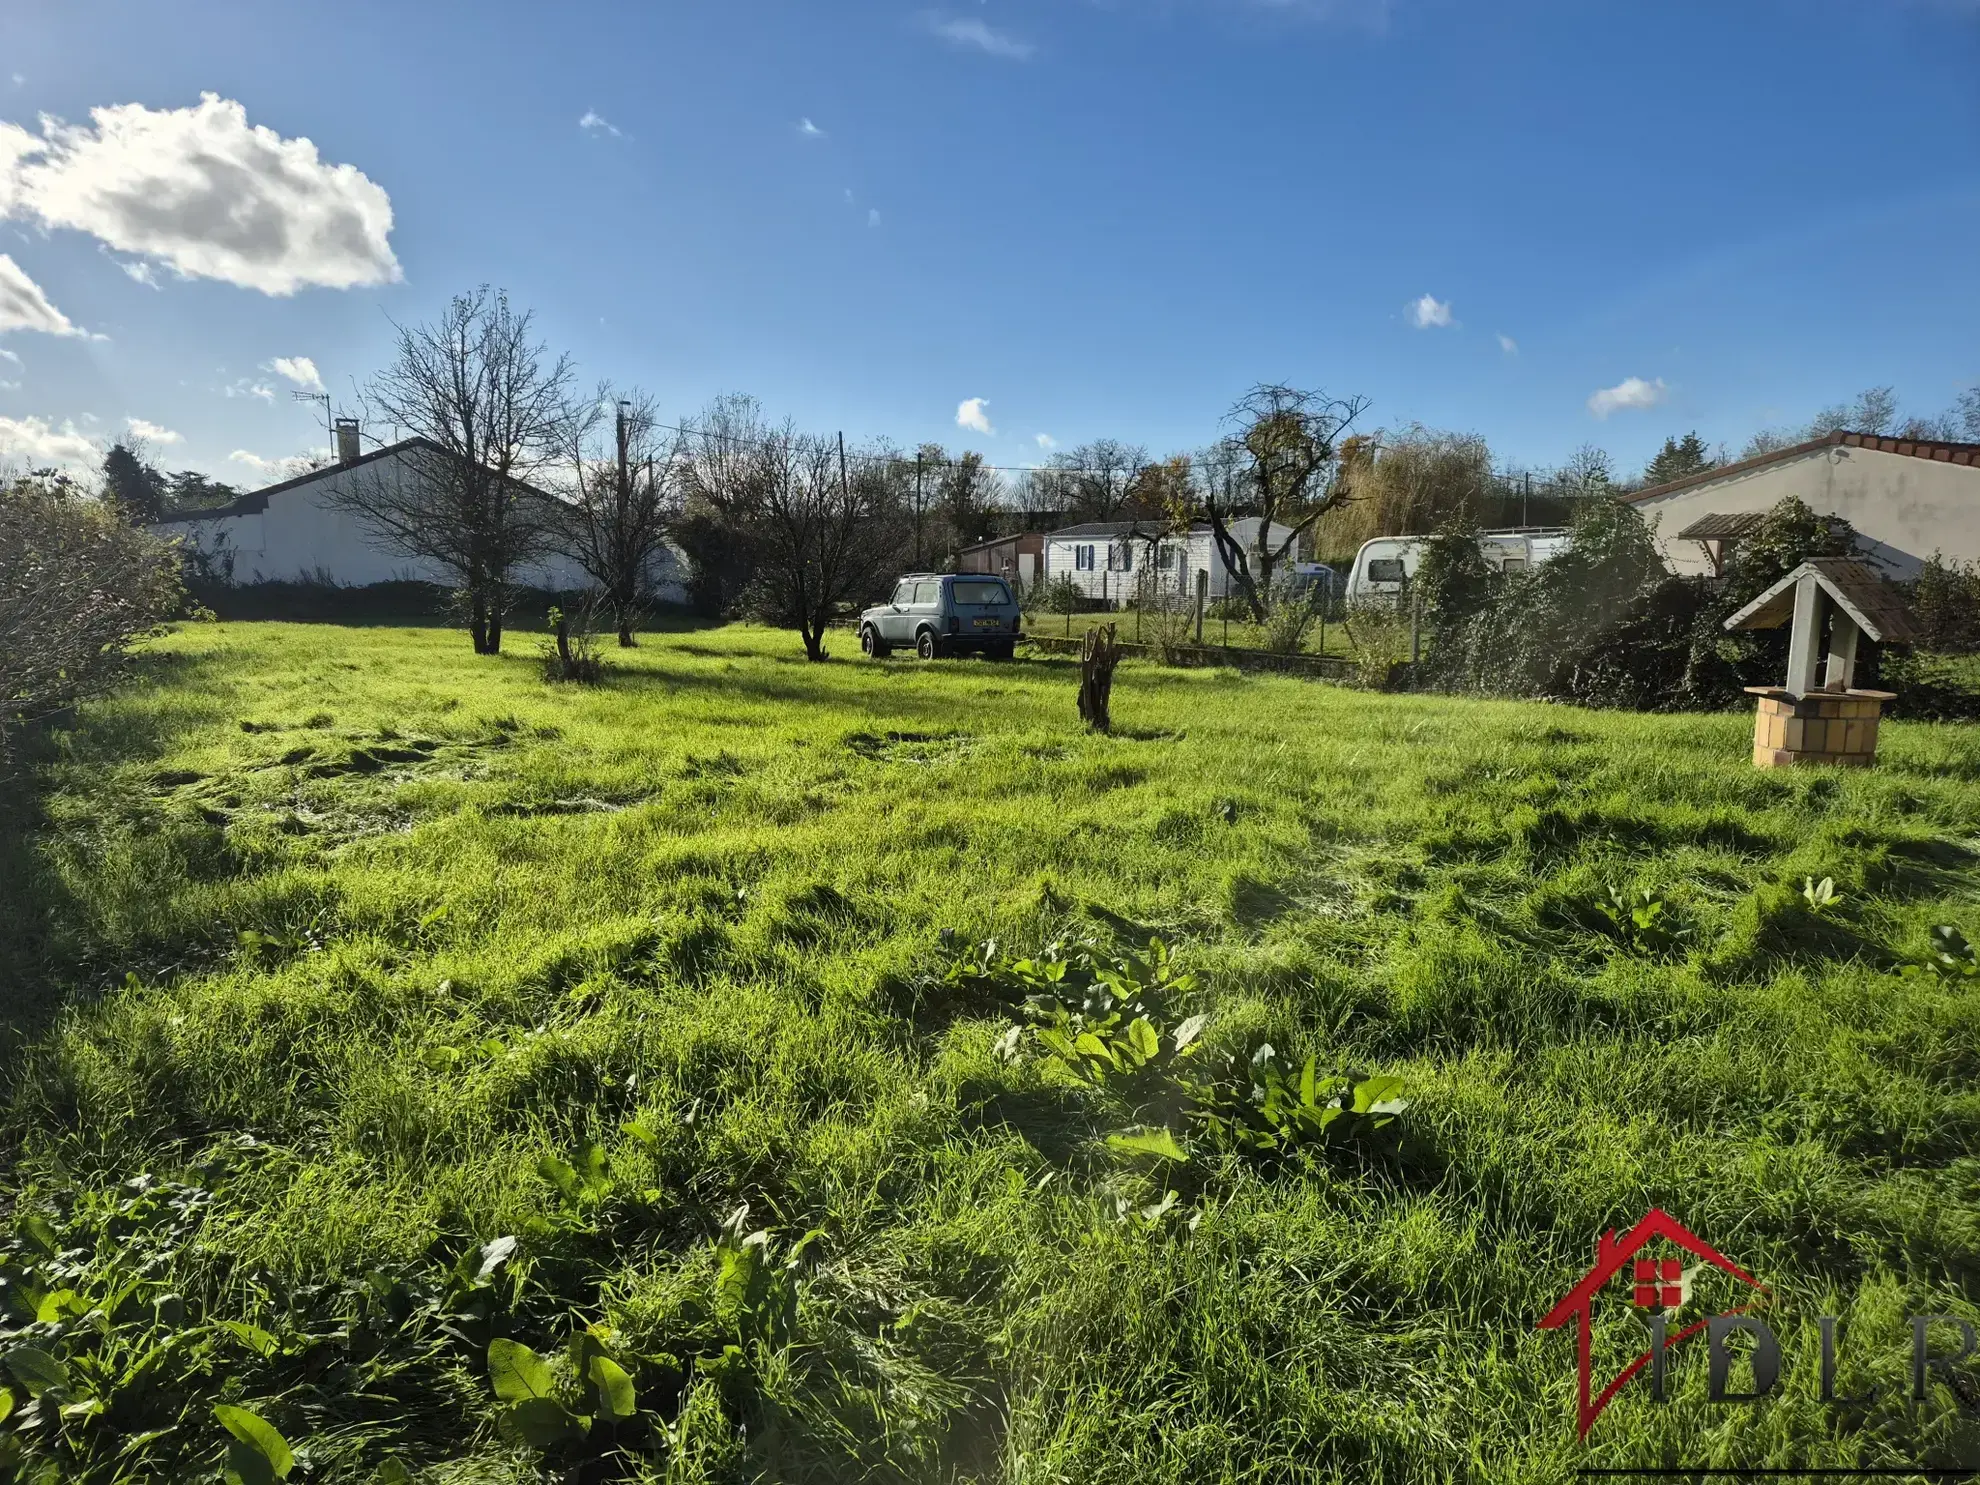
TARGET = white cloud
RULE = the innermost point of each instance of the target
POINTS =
(272, 468)
(970, 414)
(7, 355)
(968, 32)
(204, 192)
(23, 306)
(849, 195)
(298, 369)
(595, 122)
(1508, 345)
(1430, 313)
(37, 442)
(247, 388)
(1631, 391)
(1047, 441)
(810, 130)
(151, 432)
(873, 216)
(140, 270)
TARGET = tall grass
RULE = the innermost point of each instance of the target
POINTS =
(387, 925)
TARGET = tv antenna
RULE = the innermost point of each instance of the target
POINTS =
(329, 424)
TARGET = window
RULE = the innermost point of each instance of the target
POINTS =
(1083, 558)
(1120, 556)
(903, 594)
(928, 590)
(979, 591)
(1385, 570)
(1166, 555)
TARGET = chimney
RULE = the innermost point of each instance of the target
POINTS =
(347, 441)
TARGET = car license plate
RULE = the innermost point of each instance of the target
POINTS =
(989, 623)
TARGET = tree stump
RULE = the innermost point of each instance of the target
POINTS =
(1098, 655)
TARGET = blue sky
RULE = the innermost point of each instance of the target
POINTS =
(1101, 217)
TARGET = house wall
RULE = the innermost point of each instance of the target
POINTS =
(1201, 555)
(300, 535)
(1905, 508)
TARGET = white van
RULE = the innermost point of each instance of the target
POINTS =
(1388, 563)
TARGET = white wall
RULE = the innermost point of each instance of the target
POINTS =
(1200, 555)
(1905, 508)
(300, 535)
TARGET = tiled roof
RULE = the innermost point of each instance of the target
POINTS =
(1938, 451)
(1720, 527)
(1878, 608)
(256, 501)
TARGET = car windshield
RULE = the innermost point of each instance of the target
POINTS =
(981, 590)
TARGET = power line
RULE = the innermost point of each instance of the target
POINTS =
(1533, 481)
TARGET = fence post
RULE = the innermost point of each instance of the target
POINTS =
(1415, 615)
(1202, 592)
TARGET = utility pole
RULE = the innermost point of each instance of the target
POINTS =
(622, 431)
(917, 508)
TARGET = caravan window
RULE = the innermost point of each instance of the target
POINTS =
(1386, 570)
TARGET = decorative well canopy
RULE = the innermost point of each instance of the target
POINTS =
(1872, 604)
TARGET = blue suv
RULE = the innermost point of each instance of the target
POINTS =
(944, 614)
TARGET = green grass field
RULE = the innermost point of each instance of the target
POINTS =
(333, 955)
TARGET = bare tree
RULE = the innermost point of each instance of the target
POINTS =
(1589, 470)
(1095, 478)
(622, 502)
(487, 414)
(822, 529)
(1276, 464)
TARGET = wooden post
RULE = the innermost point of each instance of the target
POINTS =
(1098, 655)
(1202, 594)
(1805, 640)
(1841, 673)
(1415, 625)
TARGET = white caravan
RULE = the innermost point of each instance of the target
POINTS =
(1387, 564)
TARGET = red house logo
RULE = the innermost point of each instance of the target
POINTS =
(1661, 1285)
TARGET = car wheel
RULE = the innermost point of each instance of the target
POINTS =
(925, 645)
(869, 642)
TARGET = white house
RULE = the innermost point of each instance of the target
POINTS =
(293, 531)
(1115, 561)
(1907, 498)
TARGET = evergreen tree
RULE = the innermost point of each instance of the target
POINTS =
(189, 489)
(1679, 458)
(134, 489)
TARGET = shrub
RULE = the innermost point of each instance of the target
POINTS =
(1945, 600)
(1604, 624)
(572, 653)
(77, 588)
(1294, 609)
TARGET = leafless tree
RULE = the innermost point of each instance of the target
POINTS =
(1589, 470)
(620, 501)
(1276, 464)
(77, 587)
(1096, 477)
(823, 529)
(488, 413)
